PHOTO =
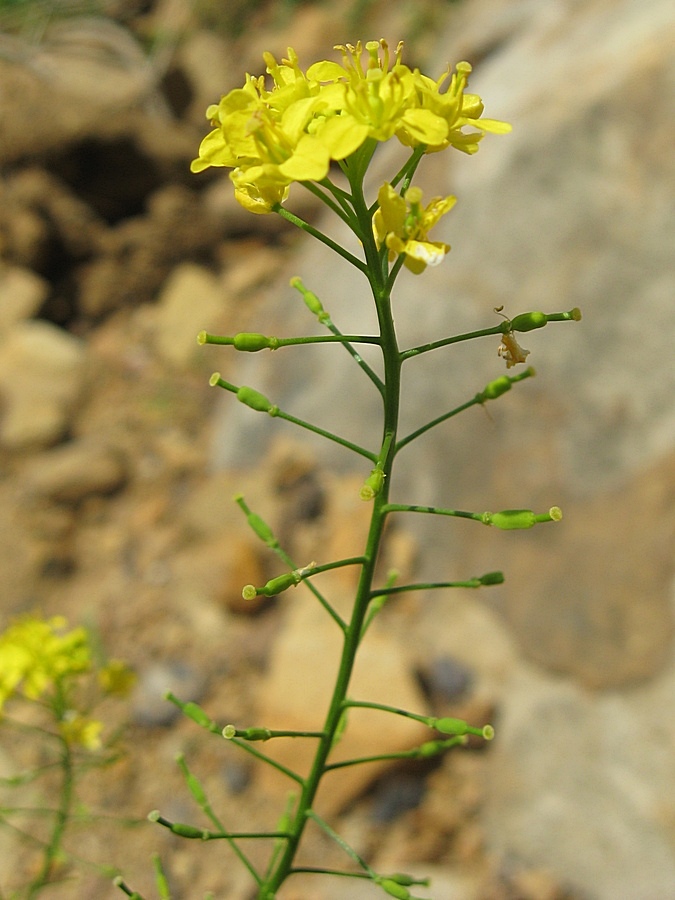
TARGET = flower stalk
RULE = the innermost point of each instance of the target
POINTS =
(297, 127)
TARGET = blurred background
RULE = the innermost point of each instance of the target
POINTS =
(118, 462)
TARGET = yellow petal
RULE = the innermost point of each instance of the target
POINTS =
(342, 135)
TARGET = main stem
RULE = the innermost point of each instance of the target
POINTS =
(352, 635)
(62, 814)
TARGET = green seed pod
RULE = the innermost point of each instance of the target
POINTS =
(430, 748)
(279, 584)
(496, 388)
(256, 734)
(312, 302)
(510, 519)
(196, 789)
(188, 831)
(250, 341)
(528, 321)
(394, 889)
(402, 878)
(228, 732)
(448, 725)
(197, 714)
(262, 529)
(492, 578)
(254, 399)
(249, 592)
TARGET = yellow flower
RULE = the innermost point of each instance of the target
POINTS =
(116, 678)
(77, 729)
(36, 654)
(457, 109)
(402, 226)
(291, 132)
(375, 102)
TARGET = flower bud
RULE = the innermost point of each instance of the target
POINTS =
(373, 485)
(228, 732)
(249, 592)
(528, 321)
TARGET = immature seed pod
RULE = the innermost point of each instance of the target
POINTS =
(279, 584)
(492, 578)
(261, 529)
(431, 748)
(254, 399)
(197, 714)
(188, 831)
(528, 321)
(250, 341)
(511, 519)
(496, 388)
(256, 734)
(394, 889)
(449, 725)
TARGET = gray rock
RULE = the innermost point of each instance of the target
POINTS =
(22, 292)
(149, 706)
(71, 472)
(41, 379)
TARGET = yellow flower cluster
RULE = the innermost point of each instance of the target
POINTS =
(39, 658)
(37, 654)
(292, 132)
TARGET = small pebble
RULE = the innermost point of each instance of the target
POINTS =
(149, 705)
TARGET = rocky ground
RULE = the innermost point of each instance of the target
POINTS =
(110, 254)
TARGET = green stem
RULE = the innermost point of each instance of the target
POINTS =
(435, 511)
(457, 338)
(280, 414)
(61, 817)
(353, 632)
(358, 359)
(428, 586)
(229, 340)
(320, 236)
